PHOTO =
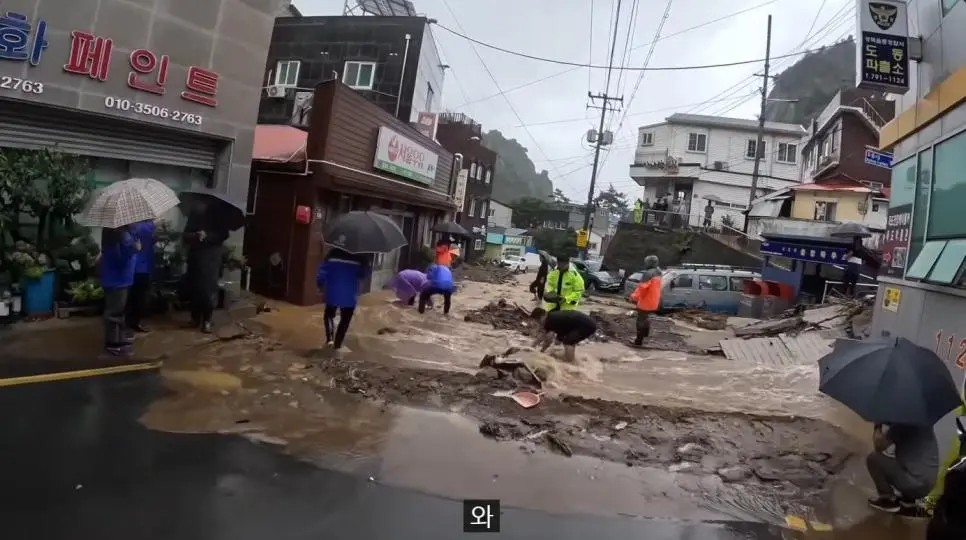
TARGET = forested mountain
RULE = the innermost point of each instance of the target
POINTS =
(813, 80)
(515, 177)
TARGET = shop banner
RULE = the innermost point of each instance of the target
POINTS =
(459, 197)
(895, 246)
(402, 156)
(883, 55)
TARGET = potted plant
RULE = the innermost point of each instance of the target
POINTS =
(85, 297)
(37, 276)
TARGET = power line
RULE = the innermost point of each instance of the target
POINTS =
(610, 62)
(590, 51)
(678, 33)
(497, 85)
(628, 43)
(579, 65)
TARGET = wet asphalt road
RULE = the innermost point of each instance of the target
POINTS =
(75, 463)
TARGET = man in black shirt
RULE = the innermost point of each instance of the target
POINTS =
(569, 327)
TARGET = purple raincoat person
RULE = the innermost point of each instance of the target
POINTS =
(407, 285)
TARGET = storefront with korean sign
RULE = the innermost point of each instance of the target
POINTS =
(358, 157)
(141, 94)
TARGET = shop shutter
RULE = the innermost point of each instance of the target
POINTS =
(31, 126)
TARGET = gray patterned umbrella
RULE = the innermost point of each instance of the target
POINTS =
(129, 201)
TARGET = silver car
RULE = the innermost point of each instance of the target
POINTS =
(713, 288)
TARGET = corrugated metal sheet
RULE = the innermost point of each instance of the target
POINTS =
(35, 127)
(783, 350)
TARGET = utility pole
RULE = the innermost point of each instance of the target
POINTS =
(604, 108)
(759, 148)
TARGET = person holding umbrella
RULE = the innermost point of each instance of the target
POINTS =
(119, 249)
(114, 209)
(138, 295)
(904, 390)
(339, 277)
(204, 235)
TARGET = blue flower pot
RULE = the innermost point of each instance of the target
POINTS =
(39, 295)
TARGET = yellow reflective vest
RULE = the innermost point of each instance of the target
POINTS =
(571, 290)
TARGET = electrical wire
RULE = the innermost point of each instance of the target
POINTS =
(628, 43)
(678, 33)
(611, 67)
(613, 46)
(590, 48)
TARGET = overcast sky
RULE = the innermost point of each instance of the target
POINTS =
(561, 29)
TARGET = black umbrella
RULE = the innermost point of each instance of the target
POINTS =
(224, 210)
(449, 227)
(364, 232)
(892, 382)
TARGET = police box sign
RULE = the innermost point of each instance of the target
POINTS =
(883, 55)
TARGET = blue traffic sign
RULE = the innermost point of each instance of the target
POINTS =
(877, 158)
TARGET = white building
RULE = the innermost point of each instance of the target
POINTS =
(501, 215)
(696, 157)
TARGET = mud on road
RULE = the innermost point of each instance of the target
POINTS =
(788, 458)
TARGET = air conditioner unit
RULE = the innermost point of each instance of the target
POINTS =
(276, 91)
(720, 165)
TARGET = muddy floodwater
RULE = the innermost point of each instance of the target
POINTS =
(662, 431)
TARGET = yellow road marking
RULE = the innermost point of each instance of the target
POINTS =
(78, 374)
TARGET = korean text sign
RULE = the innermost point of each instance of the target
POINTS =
(883, 46)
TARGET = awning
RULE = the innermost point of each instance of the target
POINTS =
(279, 144)
(769, 208)
(347, 179)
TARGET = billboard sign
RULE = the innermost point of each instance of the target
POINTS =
(401, 155)
(883, 55)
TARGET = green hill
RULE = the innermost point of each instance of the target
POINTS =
(515, 176)
(814, 81)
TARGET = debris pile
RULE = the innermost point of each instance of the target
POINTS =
(488, 273)
(501, 315)
(702, 319)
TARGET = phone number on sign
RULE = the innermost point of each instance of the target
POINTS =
(123, 104)
(22, 85)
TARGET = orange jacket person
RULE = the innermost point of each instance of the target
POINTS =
(647, 297)
(444, 256)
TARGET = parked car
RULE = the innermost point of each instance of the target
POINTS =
(715, 288)
(595, 278)
(517, 264)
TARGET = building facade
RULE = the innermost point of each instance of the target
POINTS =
(459, 134)
(692, 158)
(165, 90)
(837, 139)
(922, 291)
(355, 156)
(501, 215)
(392, 61)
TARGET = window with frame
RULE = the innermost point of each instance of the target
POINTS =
(683, 281)
(359, 75)
(787, 152)
(750, 148)
(697, 142)
(477, 244)
(920, 203)
(647, 138)
(948, 6)
(472, 210)
(473, 169)
(948, 190)
(287, 72)
(825, 210)
(483, 204)
(737, 283)
(713, 283)
(488, 176)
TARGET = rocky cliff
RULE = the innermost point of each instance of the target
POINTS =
(814, 81)
(515, 177)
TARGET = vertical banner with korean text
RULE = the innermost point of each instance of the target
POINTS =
(883, 43)
(895, 247)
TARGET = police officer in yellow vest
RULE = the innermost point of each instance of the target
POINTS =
(564, 287)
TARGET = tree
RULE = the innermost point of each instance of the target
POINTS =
(529, 212)
(559, 197)
(615, 202)
(556, 242)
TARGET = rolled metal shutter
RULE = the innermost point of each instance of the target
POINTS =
(30, 126)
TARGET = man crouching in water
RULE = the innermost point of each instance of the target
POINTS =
(569, 327)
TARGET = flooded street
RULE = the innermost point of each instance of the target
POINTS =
(631, 432)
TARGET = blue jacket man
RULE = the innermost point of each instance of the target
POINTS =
(340, 276)
(439, 280)
(143, 269)
(117, 262)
